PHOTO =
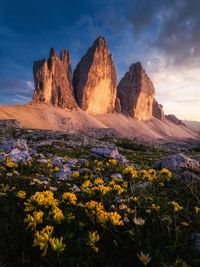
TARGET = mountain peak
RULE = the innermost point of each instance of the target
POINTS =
(95, 79)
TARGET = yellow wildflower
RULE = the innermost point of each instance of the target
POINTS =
(57, 244)
(145, 259)
(102, 189)
(118, 189)
(155, 207)
(30, 220)
(113, 162)
(42, 237)
(45, 199)
(176, 206)
(10, 163)
(98, 181)
(115, 218)
(102, 216)
(75, 174)
(166, 172)
(70, 198)
(93, 238)
(37, 218)
(21, 194)
(197, 210)
(57, 214)
(149, 174)
(131, 172)
(94, 207)
(56, 169)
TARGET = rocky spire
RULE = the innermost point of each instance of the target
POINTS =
(158, 111)
(94, 79)
(136, 93)
(52, 78)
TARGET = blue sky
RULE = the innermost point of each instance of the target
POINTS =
(162, 34)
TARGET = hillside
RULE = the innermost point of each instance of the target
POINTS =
(41, 116)
(194, 125)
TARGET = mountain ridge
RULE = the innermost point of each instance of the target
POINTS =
(90, 98)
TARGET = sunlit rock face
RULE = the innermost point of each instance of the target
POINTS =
(136, 93)
(53, 81)
(94, 80)
(158, 111)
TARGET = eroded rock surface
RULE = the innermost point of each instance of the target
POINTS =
(174, 119)
(11, 123)
(177, 162)
(94, 80)
(158, 111)
(136, 93)
(52, 78)
(16, 150)
(107, 152)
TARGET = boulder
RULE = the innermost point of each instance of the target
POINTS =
(94, 80)
(16, 150)
(177, 162)
(52, 78)
(136, 93)
(188, 176)
(8, 146)
(110, 153)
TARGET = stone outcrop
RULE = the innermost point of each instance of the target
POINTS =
(177, 162)
(53, 81)
(158, 111)
(136, 93)
(10, 123)
(94, 80)
(174, 119)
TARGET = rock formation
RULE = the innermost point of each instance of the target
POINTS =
(53, 81)
(174, 119)
(136, 93)
(94, 80)
(158, 111)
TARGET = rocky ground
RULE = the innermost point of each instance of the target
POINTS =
(94, 193)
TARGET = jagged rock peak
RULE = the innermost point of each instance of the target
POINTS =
(158, 111)
(52, 53)
(136, 93)
(94, 79)
(53, 80)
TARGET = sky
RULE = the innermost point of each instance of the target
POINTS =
(164, 35)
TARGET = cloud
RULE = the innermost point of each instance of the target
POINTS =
(174, 26)
(15, 84)
(194, 100)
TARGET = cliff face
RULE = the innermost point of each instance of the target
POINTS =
(53, 81)
(136, 93)
(158, 111)
(94, 80)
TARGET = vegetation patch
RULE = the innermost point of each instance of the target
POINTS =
(103, 214)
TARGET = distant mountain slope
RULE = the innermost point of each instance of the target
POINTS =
(43, 116)
(194, 125)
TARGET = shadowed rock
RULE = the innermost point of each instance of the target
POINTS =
(174, 119)
(136, 93)
(177, 162)
(52, 78)
(158, 111)
(94, 80)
